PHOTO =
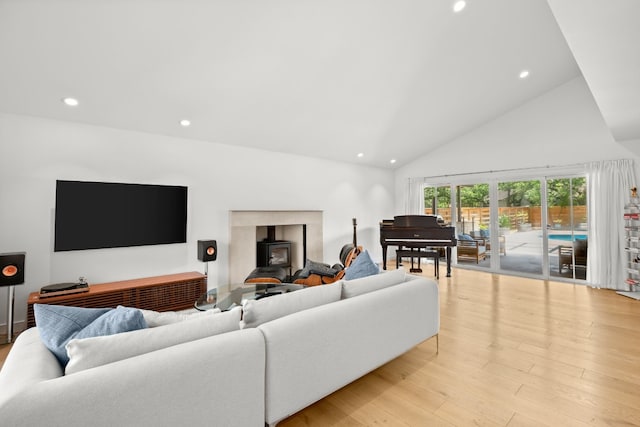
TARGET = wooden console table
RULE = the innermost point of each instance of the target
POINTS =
(160, 293)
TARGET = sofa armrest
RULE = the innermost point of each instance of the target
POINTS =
(29, 362)
(216, 380)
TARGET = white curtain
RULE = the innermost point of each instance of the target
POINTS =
(414, 200)
(609, 186)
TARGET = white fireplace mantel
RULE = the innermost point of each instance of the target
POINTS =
(243, 237)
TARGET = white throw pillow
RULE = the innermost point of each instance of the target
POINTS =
(257, 312)
(161, 318)
(96, 351)
(355, 287)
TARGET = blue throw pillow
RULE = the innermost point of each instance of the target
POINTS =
(59, 324)
(362, 266)
(464, 237)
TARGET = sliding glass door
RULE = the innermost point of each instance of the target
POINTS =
(533, 227)
(520, 225)
(567, 227)
(473, 220)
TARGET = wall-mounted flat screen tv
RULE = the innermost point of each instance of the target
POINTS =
(93, 215)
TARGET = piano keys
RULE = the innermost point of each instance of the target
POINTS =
(416, 231)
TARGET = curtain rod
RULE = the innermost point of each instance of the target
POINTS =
(504, 170)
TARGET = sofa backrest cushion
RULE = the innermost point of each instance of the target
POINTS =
(90, 352)
(257, 312)
(59, 324)
(352, 288)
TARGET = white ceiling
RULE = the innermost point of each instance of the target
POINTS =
(324, 78)
(604, 36)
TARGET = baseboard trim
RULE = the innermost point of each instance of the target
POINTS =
(17, 327)
(634, 295)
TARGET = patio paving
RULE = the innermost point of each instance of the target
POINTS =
(524, 253)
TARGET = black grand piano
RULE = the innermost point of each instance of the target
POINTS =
(416, 232)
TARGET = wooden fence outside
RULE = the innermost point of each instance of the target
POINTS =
(559, 216)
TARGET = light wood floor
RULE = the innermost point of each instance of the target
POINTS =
(4, 350)
(513, 352)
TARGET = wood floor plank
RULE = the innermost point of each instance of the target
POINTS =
(4, 350)
(596, 413)
(460, 414)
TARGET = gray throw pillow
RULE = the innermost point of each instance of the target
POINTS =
(313, 267)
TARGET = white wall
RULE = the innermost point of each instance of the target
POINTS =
(35, 152)
(561, 127)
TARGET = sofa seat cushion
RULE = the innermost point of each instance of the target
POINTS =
(257, 312)
(59, 324)
(96, 351)
(353, 288)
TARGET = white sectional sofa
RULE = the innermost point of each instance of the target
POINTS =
(286, 353)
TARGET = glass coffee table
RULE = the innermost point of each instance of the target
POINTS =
(226, 297)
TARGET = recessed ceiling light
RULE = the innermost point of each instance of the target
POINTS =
(524, 74)
(360, 154)
(71, 102)
(185, 122)
(392, 161)
(459, 5)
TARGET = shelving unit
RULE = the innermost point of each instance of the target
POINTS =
(632, 246)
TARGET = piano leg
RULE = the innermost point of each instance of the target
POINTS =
(448, 261)
(384, 257)
(415, 270)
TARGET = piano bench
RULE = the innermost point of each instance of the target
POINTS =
(435, 254)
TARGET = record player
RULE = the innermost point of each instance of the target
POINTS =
(65, 288)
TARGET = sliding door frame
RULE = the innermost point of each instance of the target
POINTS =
(492, 180)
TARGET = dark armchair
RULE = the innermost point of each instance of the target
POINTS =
(568, 254)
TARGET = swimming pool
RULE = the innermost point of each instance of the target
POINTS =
(568, 237)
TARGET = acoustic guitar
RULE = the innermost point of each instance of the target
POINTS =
(353, 250)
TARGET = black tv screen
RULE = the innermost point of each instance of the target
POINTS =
(93, 215)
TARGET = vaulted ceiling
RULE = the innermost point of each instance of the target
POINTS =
(604, 37)
(328, 79)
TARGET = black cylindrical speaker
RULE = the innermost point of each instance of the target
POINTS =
(12, 269)
(207, 250)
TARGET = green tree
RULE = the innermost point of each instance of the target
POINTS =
(474, 196)
(442, 195)
(516, 193)
(520, 193)
(561, 191)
